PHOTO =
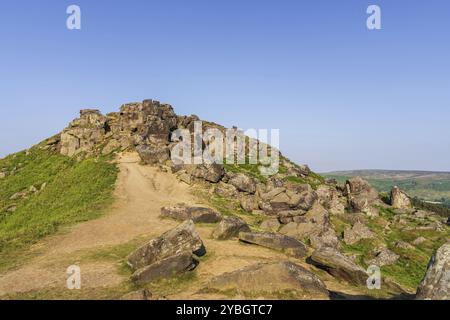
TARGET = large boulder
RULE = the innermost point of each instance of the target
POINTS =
(209, 172)
(230, 227)
(314, 225)
(358, 232)
(436, 283)
(243, 183)
(339, 266)
(196, 214)
(330, 198)
(183, 238)
(165, 268)
(399, 199)
(271, 279)
(275, 241)
(360, 194)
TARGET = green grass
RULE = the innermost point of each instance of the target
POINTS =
(75, 191)
(250, 169)
(411, 266)
(313, 182)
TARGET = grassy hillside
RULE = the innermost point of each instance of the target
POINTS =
(43, 191)
(428, 186)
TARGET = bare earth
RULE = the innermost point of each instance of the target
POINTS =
(141, 191)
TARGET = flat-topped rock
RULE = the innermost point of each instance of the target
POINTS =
(276, 241)
(197, 214)
(339, 266)
(271, 279)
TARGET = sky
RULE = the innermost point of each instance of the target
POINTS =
(343, 96)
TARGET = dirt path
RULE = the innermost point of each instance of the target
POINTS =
(141, 191)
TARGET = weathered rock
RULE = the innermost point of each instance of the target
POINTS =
(165, 268)
(360, 194)
(84, 134)
(399, 199)
(271, 225)
(267, 196)
(358, 232)
(436, 283)
(314, 222)
(288, 216)
(243, 183)
(330, 199)
(271, 279)
(275, 241)
(385, 257)
(230, 227)
(339, 265)
(248, 202)
(112, 145)
(226, 190)
(183, 238)
(142, 294)
(324, 238)
(196, 214)
(280, 202)
(209, 172)
(307, 200)
(151, 154)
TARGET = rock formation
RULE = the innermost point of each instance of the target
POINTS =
(436, 284)
(399, 199)
(271, 278)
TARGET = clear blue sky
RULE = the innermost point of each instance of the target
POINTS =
(343, 97)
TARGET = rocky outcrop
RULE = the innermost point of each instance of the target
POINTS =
(181, 239)
(358, 232)
(331, 199)
(271, 279)
(197, 214)
(275, 241)
(399, 199)
(84, 134)
(360, 194)
(338, 265)
(153, 154)
(230, 227)
(313, 225)
(436, 283)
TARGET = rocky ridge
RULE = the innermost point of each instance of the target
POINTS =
(301, 212)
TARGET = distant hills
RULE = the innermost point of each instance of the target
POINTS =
(429, 186)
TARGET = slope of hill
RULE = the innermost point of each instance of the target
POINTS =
(42, 191)
(426, 185)
(196, 231)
